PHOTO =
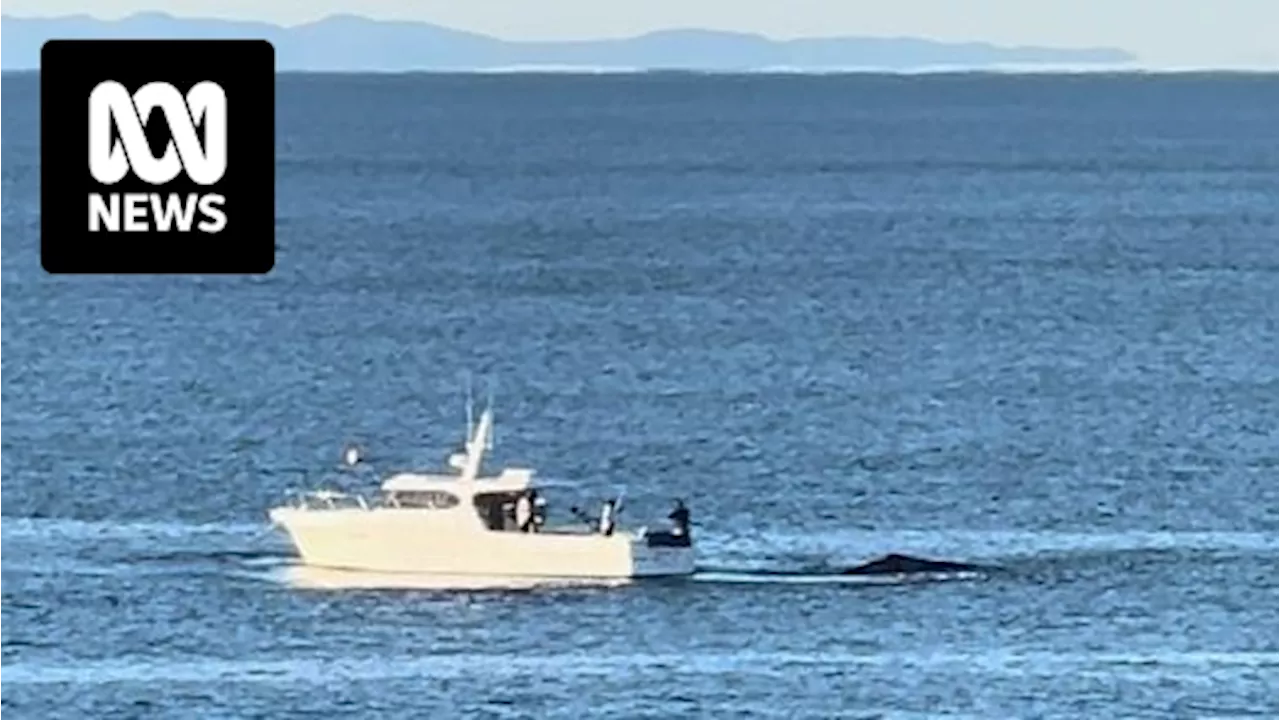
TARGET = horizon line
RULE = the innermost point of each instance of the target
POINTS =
(1133, 62)
(602, 38)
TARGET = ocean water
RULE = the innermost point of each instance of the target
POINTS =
(1026, 321)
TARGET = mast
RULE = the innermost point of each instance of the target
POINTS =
(479, 438)
(476, 446)
(489, 440)
(466, 435)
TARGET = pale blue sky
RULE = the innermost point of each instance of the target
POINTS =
(1163, 33)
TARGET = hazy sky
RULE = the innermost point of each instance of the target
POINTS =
(1163, 33)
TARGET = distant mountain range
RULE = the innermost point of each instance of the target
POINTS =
(347, 43)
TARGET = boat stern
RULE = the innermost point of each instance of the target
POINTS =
(662, 554)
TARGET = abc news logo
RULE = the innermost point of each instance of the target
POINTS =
(113, 112)
(180, 142)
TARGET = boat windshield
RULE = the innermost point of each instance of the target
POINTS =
(428, 499)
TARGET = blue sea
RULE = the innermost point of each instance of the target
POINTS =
(1026, 321)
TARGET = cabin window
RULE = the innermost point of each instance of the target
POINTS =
(431, 499)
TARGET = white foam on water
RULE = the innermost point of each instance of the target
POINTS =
(46, 546)
(309, 669)
(973, 545)
(328, 579)
(18, 528)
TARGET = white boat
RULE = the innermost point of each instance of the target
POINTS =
(462, 524)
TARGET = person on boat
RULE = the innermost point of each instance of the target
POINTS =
(524, 512)
(539, 510)
(606, 517)
(497, 516)
(680, 519)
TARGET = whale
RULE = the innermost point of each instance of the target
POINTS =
(895, 564)
(892, 566)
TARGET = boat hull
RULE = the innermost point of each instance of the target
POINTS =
(404, 541)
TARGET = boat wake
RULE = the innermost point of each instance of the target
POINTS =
(316, 578)
(249, 551)
(56, 546)
(999, 547)
(888, 570)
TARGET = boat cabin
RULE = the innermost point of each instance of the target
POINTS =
(493, 499)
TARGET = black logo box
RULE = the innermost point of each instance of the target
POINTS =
(70, 70)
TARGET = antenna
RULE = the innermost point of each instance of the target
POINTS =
(466, 437)
(489, 407)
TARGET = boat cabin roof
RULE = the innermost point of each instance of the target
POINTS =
(509, 480)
